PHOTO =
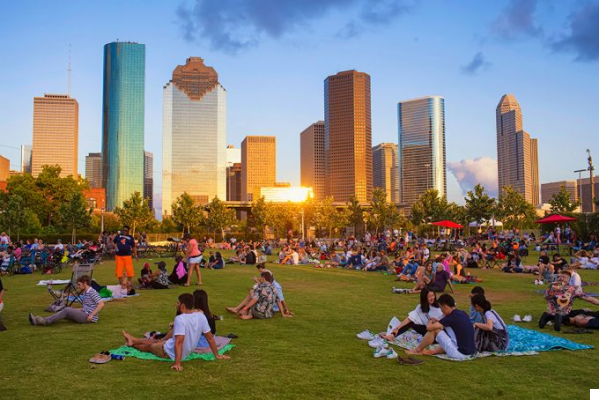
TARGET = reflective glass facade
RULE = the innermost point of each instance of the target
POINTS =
(194, 141)
(421, 125)
(123, 121)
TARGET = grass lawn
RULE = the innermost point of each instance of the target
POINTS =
(314, 354)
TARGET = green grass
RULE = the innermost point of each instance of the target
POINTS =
(314, 354)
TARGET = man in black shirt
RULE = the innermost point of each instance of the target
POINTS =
(125, 246)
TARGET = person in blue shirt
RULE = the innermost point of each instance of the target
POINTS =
(475, 316)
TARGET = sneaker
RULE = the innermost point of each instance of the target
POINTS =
(32, 319)
(391, 354)
(536, 281)
(527, 318)
(380, 352)
(541, 283)
(378, 342)
(366, 335)
(517, 318)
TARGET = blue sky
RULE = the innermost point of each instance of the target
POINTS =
(273, 55)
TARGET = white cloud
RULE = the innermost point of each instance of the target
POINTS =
(481, 170)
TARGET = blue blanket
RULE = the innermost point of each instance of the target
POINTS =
(523, 340)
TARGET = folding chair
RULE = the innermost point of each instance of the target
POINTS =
(69, 292)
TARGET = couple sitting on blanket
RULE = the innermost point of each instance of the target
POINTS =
(192, 321)
(440, 321)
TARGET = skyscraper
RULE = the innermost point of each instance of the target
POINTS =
(93, 170)
(517, 153)
(386, 170)
(123, 121)
(55, 133)
(25, 159)
(194, 135)
(348, 136)
(421, 148)
(149, 178)
(258, 165)
(312, 158)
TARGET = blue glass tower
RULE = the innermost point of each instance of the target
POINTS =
(123, 121)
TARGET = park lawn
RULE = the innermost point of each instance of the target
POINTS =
(314, 354)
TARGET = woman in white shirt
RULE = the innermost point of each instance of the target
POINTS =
(418, 318)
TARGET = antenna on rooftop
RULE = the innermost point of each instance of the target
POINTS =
(69, 72)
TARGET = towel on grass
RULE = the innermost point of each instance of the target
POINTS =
(523, 342)
(131, 352)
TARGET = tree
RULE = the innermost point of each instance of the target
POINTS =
(219, 216)
(186, 213)
(327, 216)
(383, 213)
(514, 210)
(354, 213)
(260, 215)
(479, 205)
(562, 202)
(15, 215)
(135, 212)
(57, 190)
(74, 214)
(431, 207)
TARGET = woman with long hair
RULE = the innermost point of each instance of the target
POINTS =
(419, 317)
(491, 334)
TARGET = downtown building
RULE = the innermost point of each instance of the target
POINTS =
(312, 159)
(149, 178)
(348, 136)
(25, 159)
(55, 134)
(517, 153)
(123, 108)
(93, 170)
(549, 189)
(194, 135)
(421, 148)
(233, 173)
(258, 165)
(385, 170)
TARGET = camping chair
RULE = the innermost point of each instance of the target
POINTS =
(69, 292)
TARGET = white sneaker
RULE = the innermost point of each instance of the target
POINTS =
(541, 283)
(527, 318)
(517, 318)
(536, 281)
(378, 342)
(391, 354)
(380, 352)
(366, 335)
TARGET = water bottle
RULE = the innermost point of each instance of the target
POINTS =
(117, 357)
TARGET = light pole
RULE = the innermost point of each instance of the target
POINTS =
(102, 226)
(303, 227)
(590, 160)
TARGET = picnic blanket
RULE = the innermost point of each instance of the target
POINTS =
(53, 282)
(523, 342)
(131, 352)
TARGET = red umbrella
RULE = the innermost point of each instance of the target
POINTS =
(555, 219)
(447, 224)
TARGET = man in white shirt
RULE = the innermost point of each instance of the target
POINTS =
(183, 338)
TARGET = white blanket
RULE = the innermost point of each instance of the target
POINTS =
(53, 282)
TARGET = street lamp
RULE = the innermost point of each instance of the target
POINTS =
(102, 228)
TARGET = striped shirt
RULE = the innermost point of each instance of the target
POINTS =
(90, 300)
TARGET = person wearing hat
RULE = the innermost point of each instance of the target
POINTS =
(125, 247)
(194, 257)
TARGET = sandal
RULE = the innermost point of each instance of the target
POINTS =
(409, 361)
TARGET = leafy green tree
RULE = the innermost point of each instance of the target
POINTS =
(383, 214)
(57, 190)
(430, 207)
(328, 217)
(135, 212)
(514, 211)
(219, 216)
(479, 205)
(15, 215)
(562, 202)
(260, 215)
(186, 213)
(74, 214)
(31, 196)
(355, 213)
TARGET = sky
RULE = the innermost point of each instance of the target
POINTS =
(272, 57)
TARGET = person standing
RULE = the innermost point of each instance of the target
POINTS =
(194, 258)
(2, 327)
(125, 247)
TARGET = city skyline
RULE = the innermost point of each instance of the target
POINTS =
(477, 70)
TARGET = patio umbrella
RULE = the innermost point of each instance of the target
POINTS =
(447, 224)
(555, 219)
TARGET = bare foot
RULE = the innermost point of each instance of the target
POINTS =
(128, 339)
(232, 310)
(413, 352)
(389, 338)
(246, 316)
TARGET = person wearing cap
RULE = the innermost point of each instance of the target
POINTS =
(125, 247)
(194, 257)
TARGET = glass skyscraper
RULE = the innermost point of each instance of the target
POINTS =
(421, 125)
(123, 121)
(194, 135)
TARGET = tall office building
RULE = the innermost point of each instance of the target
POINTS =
(149, 178)
(549, 189)
(258, 165)
(348, 136)
(421, 148)
(55, 133)
(517, 153)
(123, 121)
(194, 135)
(584, 192)
(25, 159)
(234, 182)
(4, 169)
(385, 169)
(312, 158)
(93, 170)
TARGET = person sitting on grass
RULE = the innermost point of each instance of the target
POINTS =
(179, 274)
(491, 333)
(426, 278)
(379, 263)
(454, 333)
(91, 306)
(475, 316)
(261, 300)
(2, 327)
(419, 317)
(201, 304)
(262, 268)
(178, 344)
(217, 262)
(158, 279)
(514, 263)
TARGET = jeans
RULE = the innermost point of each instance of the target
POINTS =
(70, 313)
(410, 269)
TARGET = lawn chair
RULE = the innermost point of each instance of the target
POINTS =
(69, 292)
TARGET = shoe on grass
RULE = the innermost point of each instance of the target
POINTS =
(391, 354)
(366, 335)
(527, 318)
(517, 318)
(378, 342)
(380, 352)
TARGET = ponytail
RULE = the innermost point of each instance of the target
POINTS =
(481, 301)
